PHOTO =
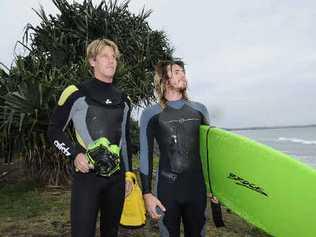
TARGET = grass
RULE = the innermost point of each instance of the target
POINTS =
(21, 201)
(27, 209)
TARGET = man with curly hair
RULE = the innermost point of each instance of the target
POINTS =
(180, 188)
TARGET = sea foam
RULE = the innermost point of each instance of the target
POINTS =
(297, 140)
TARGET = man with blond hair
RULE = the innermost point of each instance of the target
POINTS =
(180, 188)
(97, 111)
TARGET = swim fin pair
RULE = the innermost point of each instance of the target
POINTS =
(134, 212)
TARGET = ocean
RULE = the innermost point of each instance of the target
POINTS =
(298, 142)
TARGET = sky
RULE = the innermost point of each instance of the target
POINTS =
(251, 62)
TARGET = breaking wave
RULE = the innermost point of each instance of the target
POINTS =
(297, 140)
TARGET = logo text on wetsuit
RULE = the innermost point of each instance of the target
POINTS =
(108, 101)
(62, 147)
(247, 184)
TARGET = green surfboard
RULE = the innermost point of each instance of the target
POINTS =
(266, 187)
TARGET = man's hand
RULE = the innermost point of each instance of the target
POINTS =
(82, 164)
(152, 203)
(213, 198)
(128, 187)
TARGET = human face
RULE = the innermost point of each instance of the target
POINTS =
(104, 64)
(177, 78)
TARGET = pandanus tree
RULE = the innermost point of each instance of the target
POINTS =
(55, 59)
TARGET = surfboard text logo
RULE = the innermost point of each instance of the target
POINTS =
(247, 184)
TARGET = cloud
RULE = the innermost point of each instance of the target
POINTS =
(253, 63)
(14, 17)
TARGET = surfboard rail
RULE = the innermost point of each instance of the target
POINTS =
(266, 187)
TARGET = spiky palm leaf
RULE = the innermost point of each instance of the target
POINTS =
(64, 37)
(56, 60)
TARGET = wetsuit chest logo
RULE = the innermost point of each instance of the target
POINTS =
(108, 101)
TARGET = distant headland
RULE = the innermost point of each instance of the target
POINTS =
(271, 127)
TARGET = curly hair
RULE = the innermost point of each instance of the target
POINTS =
(161, 77)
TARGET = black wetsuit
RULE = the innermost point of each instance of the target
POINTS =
(96, 109)
(180, 181)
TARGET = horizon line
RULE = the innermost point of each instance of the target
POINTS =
(270, 127)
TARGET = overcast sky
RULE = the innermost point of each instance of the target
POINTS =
(251, 62)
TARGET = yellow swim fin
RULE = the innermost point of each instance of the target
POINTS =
(134, 213)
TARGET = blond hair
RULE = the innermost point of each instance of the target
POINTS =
(96, 46)
(160, 80)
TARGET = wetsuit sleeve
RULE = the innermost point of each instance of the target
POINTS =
(59, 121)
(202, 110)
(146, 127)
(216, 207)
(126, 151)
(205, 114)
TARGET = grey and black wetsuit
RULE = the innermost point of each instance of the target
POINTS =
(96, 109)
(180, 181)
